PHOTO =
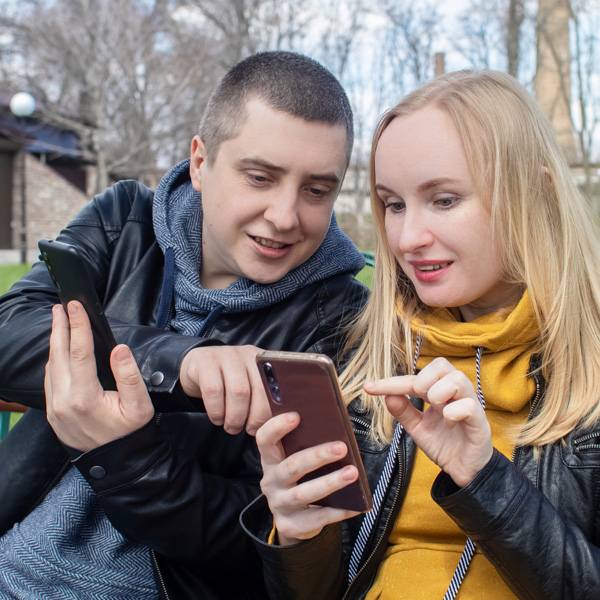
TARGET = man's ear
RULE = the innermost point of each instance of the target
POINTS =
(197, 160)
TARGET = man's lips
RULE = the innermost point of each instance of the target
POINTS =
(268, 243)
(269, 248)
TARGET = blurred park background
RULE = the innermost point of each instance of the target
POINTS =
(115, 88)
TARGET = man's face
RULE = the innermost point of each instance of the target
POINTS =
(268, 196)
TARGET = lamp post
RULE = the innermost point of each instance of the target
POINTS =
(22, 105)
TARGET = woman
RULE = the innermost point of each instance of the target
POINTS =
(475, 377)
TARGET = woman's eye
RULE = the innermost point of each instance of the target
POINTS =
(446, 202)
(394, 206)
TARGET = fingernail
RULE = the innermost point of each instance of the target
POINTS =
(122, 354)
(72, 308)
(251, 431)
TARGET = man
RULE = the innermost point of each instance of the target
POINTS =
(237, 246)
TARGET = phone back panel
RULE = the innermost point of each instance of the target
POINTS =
(308, 385)
(73, 282)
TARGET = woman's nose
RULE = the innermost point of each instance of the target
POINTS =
(414, 232)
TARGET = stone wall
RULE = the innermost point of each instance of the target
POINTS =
(51, 203)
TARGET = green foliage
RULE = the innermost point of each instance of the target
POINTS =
(14, 417)
(9, 274)
(366, 276)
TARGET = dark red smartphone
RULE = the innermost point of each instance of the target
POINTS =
(308, 384)
(73, 282)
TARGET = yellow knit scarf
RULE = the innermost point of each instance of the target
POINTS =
(508, 337)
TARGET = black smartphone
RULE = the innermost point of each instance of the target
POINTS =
(73, 282)
(308, 384)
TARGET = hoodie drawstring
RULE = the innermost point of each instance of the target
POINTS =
(383, 483)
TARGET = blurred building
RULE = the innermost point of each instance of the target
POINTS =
(43, 182)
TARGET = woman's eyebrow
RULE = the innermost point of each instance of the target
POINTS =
(433, 183)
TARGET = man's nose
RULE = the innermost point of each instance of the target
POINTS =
(282, 211)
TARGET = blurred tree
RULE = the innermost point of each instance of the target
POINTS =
(514, 22)
(567, 80)
(121, 73)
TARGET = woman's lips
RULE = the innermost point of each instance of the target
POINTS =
(428, 271)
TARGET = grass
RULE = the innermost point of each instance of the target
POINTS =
(9, 274)
(366, 276)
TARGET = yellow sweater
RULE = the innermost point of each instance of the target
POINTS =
(425, 545)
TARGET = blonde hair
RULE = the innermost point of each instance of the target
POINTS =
(545, 231)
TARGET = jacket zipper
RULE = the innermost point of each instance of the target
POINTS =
(366, 425)
(162, 581)
(398, 488)
(169, 315)
(584, 438)
(536, 399)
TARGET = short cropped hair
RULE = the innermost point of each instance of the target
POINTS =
(286, 81)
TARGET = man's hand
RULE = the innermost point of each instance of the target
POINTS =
(82, 414)
(228, 381)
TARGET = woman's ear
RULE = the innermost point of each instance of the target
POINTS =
(197, 161)
(546, 172)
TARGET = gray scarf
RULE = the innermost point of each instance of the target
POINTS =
(177, 215)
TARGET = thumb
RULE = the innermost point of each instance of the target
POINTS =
(131, 386)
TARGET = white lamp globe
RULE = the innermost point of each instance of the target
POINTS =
(22, 104)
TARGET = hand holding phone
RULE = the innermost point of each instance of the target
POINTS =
(73, 282)
(307, 384)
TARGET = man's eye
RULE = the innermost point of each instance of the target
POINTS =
(256, 179)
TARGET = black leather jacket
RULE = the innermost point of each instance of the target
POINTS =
(178, 484)
(537, 521)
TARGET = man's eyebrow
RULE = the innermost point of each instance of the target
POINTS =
(261, 163)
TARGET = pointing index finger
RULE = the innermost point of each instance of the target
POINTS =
(402, 385)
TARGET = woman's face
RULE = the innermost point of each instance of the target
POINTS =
(437, 227)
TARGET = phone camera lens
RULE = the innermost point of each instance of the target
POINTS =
(268, 369)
